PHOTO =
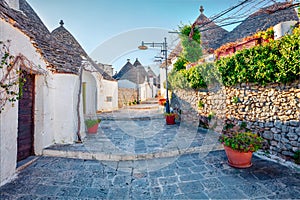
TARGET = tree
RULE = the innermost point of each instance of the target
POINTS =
(192, 51)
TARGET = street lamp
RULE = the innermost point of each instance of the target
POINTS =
(164, 50)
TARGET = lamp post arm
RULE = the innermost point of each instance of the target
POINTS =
(164, 50)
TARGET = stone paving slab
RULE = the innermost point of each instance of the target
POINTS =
(136, 134)
(190, 176)
(139, 139)
(141, 111)
(135, 155)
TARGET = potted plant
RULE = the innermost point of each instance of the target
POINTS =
(239, 147)
(170, 118)
(92, 125)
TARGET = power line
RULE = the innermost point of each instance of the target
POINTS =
(223, 13)
(250, 19)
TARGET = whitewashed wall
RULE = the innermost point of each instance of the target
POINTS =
(108, 89)
(8, 142)
(143, 91)
(56, 110)
(44, 112)
(9, 117)
(66, 87)
(91, 92)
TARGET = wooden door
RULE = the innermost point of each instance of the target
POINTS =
(26, 119)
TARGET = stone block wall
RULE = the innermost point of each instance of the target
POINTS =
(273, 111)
(126, 95)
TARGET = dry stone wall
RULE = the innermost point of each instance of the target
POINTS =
(272, 110)
(126, 95)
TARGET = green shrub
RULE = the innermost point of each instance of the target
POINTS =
(91, 122)
(180, 64)
(242, 142)
(277, 61)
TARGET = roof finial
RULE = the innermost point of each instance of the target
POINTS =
(61, 22)
(201, 9)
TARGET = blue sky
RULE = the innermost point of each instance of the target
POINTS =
(97, 22)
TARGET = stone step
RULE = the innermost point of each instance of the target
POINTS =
(150, 101)
(111, 156)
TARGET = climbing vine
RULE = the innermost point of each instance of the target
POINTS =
(11, 77)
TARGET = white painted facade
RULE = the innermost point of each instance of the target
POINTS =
(100, 94)
(162, 72)
(66, 90)
(9, 116)
(8, 145)
(55, 110)
(55, 116)
(144, 91)
(90, 82)
(107, 96)
(55, 102)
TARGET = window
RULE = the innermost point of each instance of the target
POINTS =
(109, 98)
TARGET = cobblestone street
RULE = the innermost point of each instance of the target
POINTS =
(141, 100)
(188, 177)
(136, 156)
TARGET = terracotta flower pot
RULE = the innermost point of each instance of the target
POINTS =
(170, 119)
(93, 129)
(238, 159)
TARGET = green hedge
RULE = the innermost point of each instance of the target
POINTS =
(275, 62)
(196, 77)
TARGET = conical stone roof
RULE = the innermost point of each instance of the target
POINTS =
(65, 37)
(128, 66)
(262, 20)
(211, 34)
(58, 57)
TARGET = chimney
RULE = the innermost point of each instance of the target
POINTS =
(14, 4)
(283, 28)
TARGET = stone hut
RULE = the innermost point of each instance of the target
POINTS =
(261, 20)
(103, 91)
(134, 83)
(128, 66)
(211, 34)
(45, 114)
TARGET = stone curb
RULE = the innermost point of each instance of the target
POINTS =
(127, 157)
(133, 118)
